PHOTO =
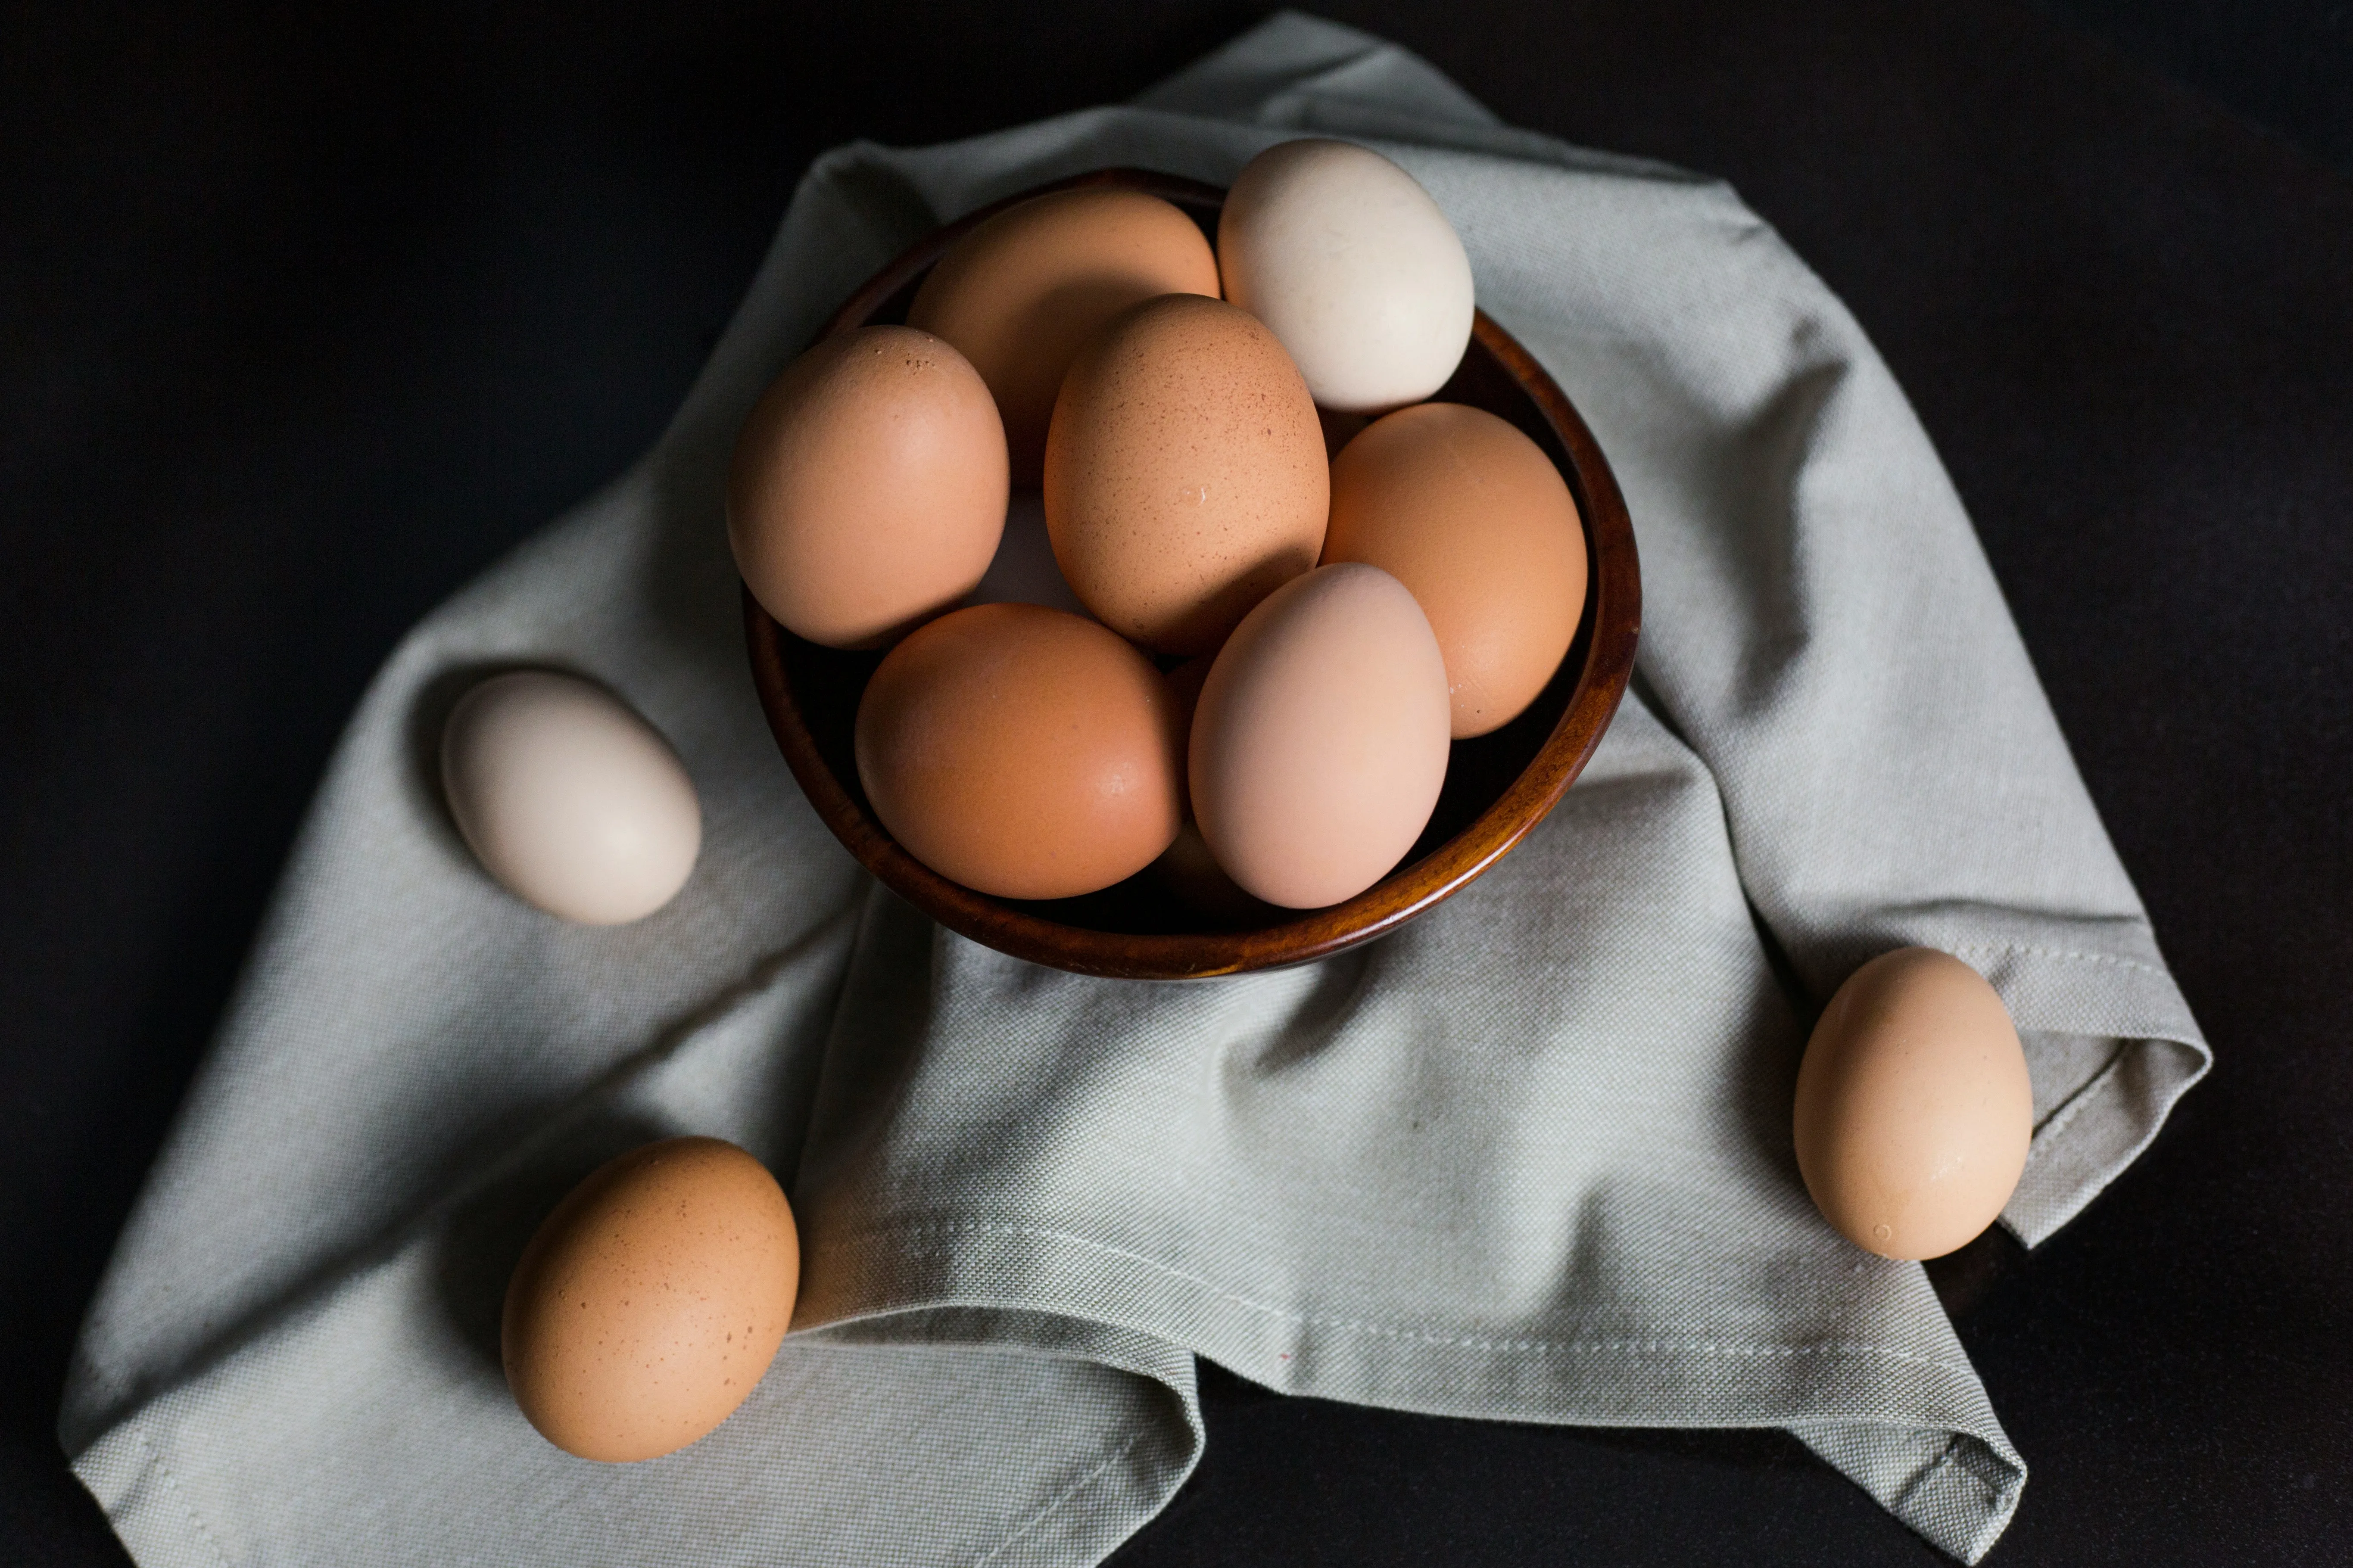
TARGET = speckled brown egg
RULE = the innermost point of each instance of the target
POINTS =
(1185, 477)
(1473, 517)
(868, 487)
(1914, 1107)
(1022, 291)
(1023, 751)
(651, 1300)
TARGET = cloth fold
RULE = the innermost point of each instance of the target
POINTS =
(1529, 1159)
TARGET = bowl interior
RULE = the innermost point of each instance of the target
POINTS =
(1497, 786)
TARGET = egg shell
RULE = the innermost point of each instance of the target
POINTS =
(1472, 516)
(1023, 751)
(1355, 268)
(1320, 742)
(868, 487)
(568, 798)
(1914, 1107)
(1022, 291)
(651, 1300)
(1185, 477)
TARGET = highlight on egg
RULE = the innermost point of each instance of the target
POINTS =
(1022, 751)
(568, 798)
(1470, 515)
(1186, 476)
(651, 1302)
(1020, 292)
(1914, 1109)
(868, 486)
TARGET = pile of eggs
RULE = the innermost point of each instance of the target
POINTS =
(1272, 642)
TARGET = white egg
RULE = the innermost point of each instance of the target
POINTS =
(568, 798)
(1354, 269)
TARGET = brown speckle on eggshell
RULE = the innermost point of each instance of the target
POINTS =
(1186, 476)
(1022, 292)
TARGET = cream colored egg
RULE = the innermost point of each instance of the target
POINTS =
(1914, 1107)
(572, 801)
(1357, 270)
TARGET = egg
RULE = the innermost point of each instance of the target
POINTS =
(1020, 751)
(568, 798)
(1355, 268)
(1320, 742)
(1474, 518)
(868, 487)
(1019, 293)
(1914, 1107)
(651, 1302)
(1186, 477)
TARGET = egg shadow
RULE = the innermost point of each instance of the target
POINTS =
(485, 1234)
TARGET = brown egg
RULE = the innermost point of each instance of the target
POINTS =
(1471, 515)
(1020, 293)
(1185, 472)
(1913, 1108)
(651, 1300)
(868, 487)
(1320, 743)
(1021, 751)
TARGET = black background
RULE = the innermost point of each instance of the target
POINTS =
(309, 316)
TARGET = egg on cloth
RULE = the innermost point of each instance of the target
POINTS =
(1186, 477)
(1022, 751)
(1319, 744)
(1471, 515)
(868, 487)
(651, 1302)
(1020, 292)
(1914, 1107)
(568, 798)
(1357, 272)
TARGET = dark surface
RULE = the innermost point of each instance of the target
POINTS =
(307, 318)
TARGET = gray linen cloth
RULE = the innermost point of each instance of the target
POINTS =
(1527, 1160)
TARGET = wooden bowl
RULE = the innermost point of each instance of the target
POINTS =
(1498, 785)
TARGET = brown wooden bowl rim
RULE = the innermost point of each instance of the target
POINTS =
(1389, 903)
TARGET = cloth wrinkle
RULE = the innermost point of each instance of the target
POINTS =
(1561, 1347)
